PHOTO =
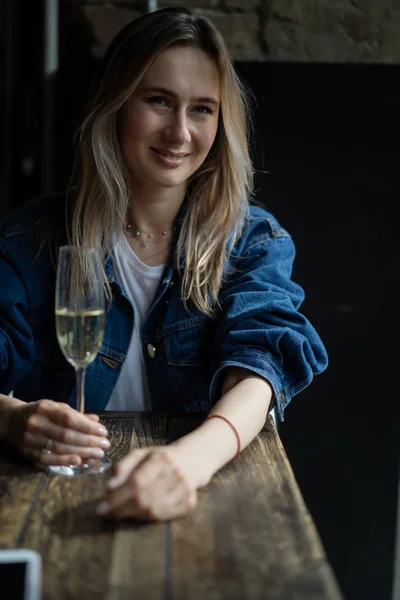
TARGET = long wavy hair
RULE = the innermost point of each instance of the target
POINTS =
(218, 192)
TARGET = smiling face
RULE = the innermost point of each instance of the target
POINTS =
(169, 124)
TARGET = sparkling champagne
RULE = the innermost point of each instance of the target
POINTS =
(79, 305)
(79, 334)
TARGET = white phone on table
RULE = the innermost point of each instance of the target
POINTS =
(20, 574)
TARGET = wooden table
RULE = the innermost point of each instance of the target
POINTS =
(250, 537)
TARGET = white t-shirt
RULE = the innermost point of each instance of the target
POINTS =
(140, 283)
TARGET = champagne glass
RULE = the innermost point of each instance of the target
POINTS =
(80, 319)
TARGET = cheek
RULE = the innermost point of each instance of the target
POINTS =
(138, 126)
(132, 130)
(207, 137)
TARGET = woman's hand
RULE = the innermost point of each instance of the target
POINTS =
(73, 436)
(149, 484)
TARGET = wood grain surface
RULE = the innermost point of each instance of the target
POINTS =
(250, 537)
(19, 487)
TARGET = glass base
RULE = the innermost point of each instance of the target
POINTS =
(92, 467)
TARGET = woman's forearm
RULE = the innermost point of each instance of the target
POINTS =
(245, 401)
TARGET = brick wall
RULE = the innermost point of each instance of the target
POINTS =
(359, 31)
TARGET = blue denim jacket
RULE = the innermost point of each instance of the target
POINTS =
(259, 326)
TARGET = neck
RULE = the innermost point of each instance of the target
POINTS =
(156, 210)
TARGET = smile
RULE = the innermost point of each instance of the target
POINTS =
(170, 155)
(169, 160)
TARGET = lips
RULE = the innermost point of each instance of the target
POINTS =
(169, 154)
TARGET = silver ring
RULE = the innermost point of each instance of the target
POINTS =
(46, 449)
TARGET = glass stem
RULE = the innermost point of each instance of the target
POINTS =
(80, 389)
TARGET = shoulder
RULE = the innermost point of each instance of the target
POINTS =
(261, 227)
(27, 217)
(29, 234)
(261, 218)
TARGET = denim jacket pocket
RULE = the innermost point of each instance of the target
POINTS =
(187, 343)
(188, 350)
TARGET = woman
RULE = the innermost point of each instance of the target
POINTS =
(203, 314)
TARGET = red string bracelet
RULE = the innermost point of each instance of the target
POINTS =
(234, 429)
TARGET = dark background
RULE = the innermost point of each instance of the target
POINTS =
(326, 151)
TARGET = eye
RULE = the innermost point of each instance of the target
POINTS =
(158, 101)
(203, 110)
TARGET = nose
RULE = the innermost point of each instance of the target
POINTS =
(177, 129)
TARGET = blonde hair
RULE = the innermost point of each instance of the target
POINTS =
(218, 192)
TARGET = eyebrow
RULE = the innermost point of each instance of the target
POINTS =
(167, 92)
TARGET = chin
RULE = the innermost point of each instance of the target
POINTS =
(171, 182)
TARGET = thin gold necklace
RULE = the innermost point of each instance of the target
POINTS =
(148, 237)
(142, 255)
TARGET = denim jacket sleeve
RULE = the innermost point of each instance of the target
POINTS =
(261, 328)
(17, 351)
(26, 283)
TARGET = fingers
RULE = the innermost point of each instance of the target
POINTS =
(39, 442)
(125, 467)
(136, 484)
(43, 460)
(176, 503)
(44, 424)
(72, 436)
(68, 418)
(147, 487)
(66, 437)
(95, 418)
